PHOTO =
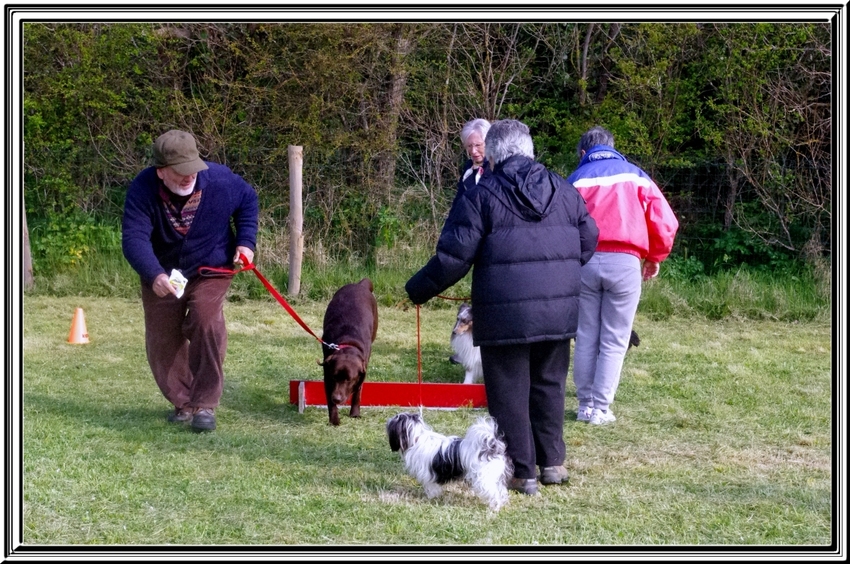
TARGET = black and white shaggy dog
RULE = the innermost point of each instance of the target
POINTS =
(434, 460)
(466, 353)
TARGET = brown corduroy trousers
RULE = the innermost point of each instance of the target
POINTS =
(186, 340)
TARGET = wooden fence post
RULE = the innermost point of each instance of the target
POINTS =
(296, 219)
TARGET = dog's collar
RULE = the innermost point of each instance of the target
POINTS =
(340, 346)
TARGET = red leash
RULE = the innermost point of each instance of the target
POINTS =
(247, 265)
(419, 358)
(419, 345)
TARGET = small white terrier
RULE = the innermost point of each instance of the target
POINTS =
(434, 460)
(466, 353)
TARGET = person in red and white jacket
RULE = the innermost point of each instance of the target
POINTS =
(636, 232)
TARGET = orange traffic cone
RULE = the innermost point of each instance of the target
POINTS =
(78, 334)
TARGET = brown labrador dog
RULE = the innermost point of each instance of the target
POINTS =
(351, 323)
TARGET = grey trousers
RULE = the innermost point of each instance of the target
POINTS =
(610, 292)
(186, 340)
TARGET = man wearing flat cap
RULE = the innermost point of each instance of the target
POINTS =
(181, 214)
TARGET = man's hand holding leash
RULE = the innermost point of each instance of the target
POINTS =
(249, 254)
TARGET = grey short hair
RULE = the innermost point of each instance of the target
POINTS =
(478, 125)
(507, 138)
(594, 136)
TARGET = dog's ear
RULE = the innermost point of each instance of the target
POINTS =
(394, 433)
(395, 444)
(328, 358)
(330, 364)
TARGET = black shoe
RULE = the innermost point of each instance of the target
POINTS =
(521, 485)
(180, 415)
(203, 420)
(554, 475)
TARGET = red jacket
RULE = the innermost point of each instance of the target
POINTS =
(632, 214)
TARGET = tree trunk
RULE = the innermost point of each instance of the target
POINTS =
(583, 64)
(392, 107)
(29, 282)
(731, 197)
(607, 63)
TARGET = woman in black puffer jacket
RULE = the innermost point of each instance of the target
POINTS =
(527, 233)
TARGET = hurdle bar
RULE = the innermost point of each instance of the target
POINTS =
(405, 394)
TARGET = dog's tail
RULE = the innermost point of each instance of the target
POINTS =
(488, 466)
(484, 433)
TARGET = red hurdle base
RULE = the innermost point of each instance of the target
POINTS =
(405, 394)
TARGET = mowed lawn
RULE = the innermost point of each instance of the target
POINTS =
(723, 439)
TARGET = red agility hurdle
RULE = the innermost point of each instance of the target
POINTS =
(404, 394)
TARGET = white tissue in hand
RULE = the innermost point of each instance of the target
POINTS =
(178, 281)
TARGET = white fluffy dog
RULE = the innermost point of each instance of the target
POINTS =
(466, 353)
(433, 459)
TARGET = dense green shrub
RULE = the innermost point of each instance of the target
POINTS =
(377, 108)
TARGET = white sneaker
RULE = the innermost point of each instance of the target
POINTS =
(584, 414)
(599, 417)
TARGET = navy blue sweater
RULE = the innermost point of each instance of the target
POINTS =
(525, 232)
(152, 246)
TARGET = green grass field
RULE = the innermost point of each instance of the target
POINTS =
(723, 439)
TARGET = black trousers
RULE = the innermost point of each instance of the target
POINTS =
(525, 386)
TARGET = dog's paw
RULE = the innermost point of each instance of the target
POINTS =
(496, 504)
(333, 418)
(432, 491)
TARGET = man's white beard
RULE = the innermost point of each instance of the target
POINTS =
(182, 191)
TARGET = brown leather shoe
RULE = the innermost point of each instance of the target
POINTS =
(521, 485)
(180, 415)
(204, 419)
(554, 475)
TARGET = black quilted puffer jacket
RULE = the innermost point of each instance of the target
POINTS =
(526, 233)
